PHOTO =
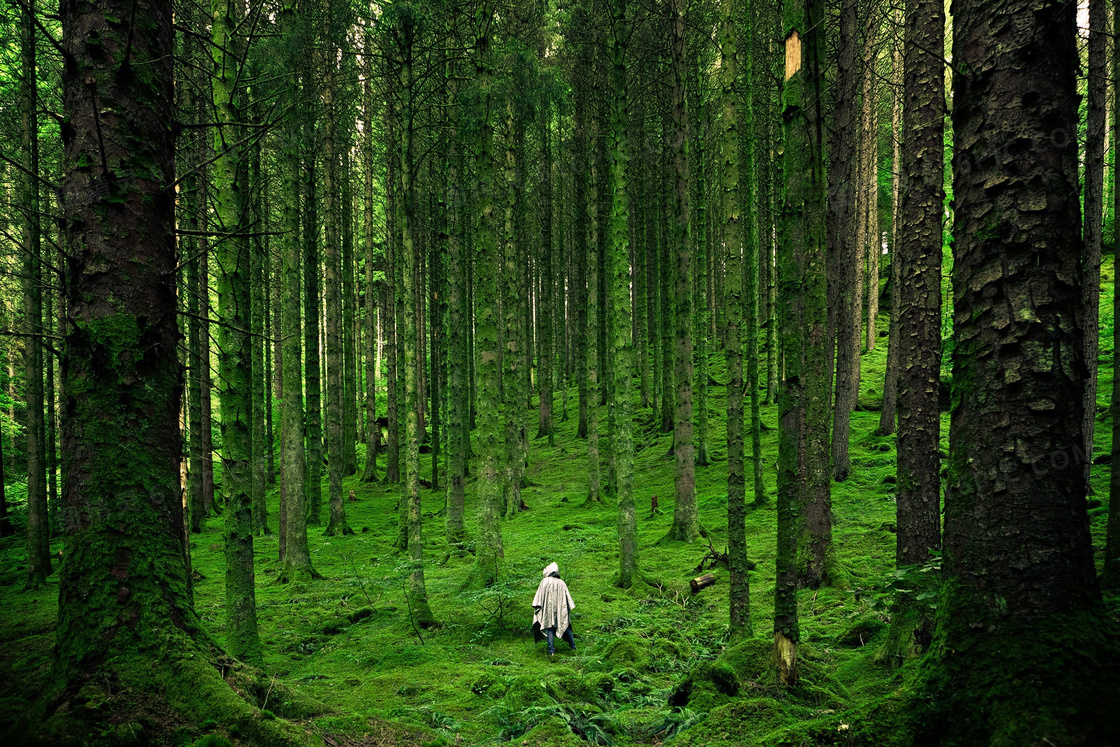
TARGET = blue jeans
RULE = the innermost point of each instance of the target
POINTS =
(550, 634)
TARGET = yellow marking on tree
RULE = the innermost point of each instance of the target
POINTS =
(793, 54)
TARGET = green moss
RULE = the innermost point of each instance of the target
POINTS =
(627, 652)
(1022, 683)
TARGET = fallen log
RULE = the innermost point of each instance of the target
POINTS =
(702, 582)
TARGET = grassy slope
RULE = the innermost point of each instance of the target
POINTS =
(347, 640)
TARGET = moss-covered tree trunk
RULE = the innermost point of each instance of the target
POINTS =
(369, 284)
(869, 181)
(313, 485)
(458, 433)
(1019, 601)
(38, 522)
(544, 298)
(686, 519)
(918, 501)
(513, 268)
(392, 339)
(622, 342)
(730, 122)
(293, 467)
(333, 271)
(591, 331)
(488, 547)
(842, 186)
(258, 288)
(127, 630)
(804, 397)
(234, 341)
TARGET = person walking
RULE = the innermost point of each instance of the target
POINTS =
(551, 610)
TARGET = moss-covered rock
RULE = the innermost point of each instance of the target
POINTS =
(627, 652)
(553, 732)
(707, 686)
(861, 631)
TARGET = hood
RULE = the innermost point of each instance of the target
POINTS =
(551, 568)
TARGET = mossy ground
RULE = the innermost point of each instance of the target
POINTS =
(653, 663)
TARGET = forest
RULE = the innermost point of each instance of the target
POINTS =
(785, 328)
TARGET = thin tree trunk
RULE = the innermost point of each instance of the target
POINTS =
(38, 521)
(686, 520)
(234, 341)
(1094, 215)
(843, 182)
(889, 410)
(739, 584)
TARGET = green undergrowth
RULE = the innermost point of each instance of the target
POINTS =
(654, 664)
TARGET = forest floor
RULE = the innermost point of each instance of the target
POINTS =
(653, 664)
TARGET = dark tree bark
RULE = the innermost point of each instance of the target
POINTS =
(293, 467)
(888, 414)
(686, 520)
(1018, 559)
(38, 522)
(1096, 104)
(1110, 575)
(918, 504)
(125, 612)
(843, 251)
(739, 583)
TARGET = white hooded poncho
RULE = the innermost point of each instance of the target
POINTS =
(552, 604)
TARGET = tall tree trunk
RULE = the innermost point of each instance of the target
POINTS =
(591, 332)
(258, 384)
(489, 551)
(1097, 85)
(803, 399)
(544, 299)
(392, 339)
(349, 387)
(622, 341)
(313, 485)
(1018, 557)
(332, 260)
(38, 522)
(234, 340)
(458, 433)
(869, 184)
(293, 467)
(417, 597)
(686, 520)
(843, 181)
(369, 287)
(739, 584)
(889, 410)
(918, 502)
(1110, 574)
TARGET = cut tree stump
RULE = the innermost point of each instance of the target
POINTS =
(701, 582)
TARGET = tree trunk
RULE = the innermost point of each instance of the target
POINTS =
(332, 260)
(686, 520)
(372, 427)
(293, 467)
(313, 485)
(869, 184)
(1097, 84)
(1110, 574)
(622, 342)
(1018, 558)
(889, 410)
(234, 340)
(918, 504)
(258, 384)
(38, 521)
(843, 181)
(739, 591)
(489, 552)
